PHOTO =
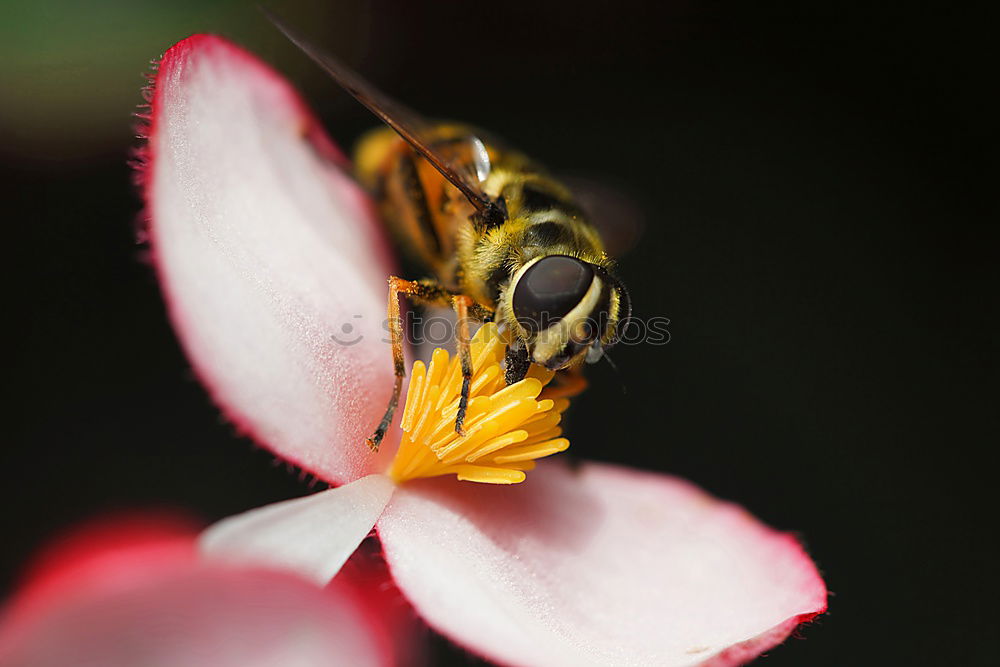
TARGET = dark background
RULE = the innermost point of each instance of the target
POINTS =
(815, 181)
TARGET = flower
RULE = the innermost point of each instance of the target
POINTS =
(274, 271)
(507, 427)
(133, 591)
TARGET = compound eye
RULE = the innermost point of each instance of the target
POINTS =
(549, 289)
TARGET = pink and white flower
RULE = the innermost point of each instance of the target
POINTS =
(134, 591)
(270, 257)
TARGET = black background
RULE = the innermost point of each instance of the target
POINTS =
(815, 181)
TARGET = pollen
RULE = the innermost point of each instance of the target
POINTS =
(506, 427)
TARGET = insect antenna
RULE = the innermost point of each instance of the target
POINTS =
(618, 373)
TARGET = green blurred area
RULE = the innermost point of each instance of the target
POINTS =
(70, 72)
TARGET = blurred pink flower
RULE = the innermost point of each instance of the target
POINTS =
(133, 592)
(274, 270)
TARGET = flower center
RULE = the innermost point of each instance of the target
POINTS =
(506, 427)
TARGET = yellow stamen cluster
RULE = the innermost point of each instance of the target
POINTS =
(506, 428)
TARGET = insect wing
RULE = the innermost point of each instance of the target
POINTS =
(405, 122)
(617, 216)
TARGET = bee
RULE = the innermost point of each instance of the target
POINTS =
(500, 237)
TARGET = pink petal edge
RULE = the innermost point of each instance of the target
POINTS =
(598, 566)
(267, 253)
(133, 592)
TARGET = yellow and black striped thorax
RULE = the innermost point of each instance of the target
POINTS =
(435, 224)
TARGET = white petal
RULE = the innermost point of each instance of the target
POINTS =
(271, 260)
(312, 536)
(596, 566)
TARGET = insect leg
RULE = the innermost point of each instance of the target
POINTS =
(516, 362)
(424, 292)
(461, 303)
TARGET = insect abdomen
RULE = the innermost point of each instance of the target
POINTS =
(396, 176)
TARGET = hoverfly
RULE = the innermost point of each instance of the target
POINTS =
(503, 240)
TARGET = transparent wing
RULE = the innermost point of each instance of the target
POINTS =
(617, 216)
(410, 126)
